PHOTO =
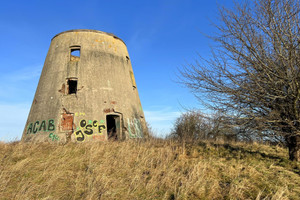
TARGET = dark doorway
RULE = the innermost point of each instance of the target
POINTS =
(113, 127)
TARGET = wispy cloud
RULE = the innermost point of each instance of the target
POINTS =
(27, 74)
(19, 85)
(161, 115)
(23, 74)
(12, 120)
(161, 120)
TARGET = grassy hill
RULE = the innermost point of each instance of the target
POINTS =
(154, 169)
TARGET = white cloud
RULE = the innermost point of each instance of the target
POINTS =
(19, 85)
(161, 115)
(12, 120)
(18, 89)
(161, 121)
(23, 74)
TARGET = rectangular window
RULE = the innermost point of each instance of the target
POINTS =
(71, 86)
(132, 79)
(75, 53)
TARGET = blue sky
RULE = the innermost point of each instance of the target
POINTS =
(161, 36)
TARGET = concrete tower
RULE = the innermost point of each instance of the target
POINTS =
(86, 92)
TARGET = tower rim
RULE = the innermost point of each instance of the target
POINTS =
(88, 30)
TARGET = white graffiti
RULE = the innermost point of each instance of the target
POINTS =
(135, 128)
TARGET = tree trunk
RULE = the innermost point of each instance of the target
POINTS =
(293, 143)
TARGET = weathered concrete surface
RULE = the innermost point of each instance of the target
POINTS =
(105, 94)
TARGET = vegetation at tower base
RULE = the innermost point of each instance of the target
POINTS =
(152, 169)
(253, 76)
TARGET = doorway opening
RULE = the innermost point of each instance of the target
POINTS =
(113, 127)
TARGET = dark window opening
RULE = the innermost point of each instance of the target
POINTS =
(72, 86)
(75, 53)
(113, 126)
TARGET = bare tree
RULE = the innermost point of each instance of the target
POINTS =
(254, 72)
(191, 126)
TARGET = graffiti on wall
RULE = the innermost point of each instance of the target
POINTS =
(38, 126)
(43, 126)
(90, 128)
(53, 137)
(135, 128)
(79, 114)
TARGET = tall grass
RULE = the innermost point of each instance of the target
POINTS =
(154, 169)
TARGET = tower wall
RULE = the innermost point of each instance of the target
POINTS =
(86, 92)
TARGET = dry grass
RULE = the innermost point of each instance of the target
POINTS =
(153, 169)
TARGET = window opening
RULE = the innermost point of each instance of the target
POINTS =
(75, 53)
(72, 86)
(113, 126)
(132, 79)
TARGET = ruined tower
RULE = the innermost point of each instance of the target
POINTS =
(86, 92)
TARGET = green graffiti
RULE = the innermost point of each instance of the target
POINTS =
(29, 128)
(137, 131)
(43, 126)
(53, 137)
(36, 127)
(51, 126)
